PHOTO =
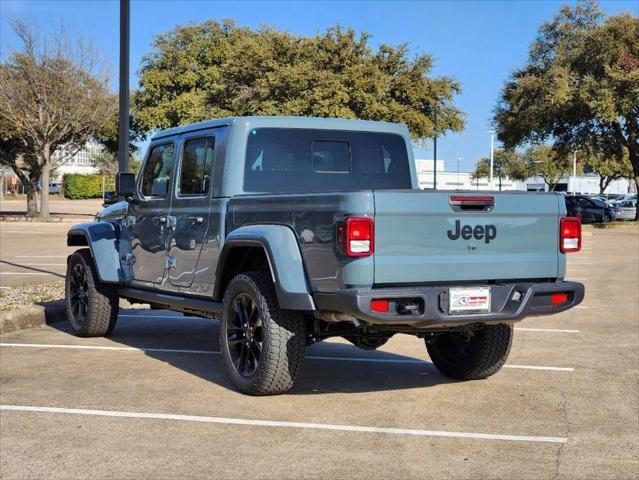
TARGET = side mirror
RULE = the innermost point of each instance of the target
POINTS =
(125, 184)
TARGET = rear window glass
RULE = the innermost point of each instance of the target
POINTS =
(310, 161)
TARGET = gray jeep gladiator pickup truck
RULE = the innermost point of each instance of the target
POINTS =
(293, 230)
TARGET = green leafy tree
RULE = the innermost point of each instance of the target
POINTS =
(215, 69)
(506, 164)
(546, 162)
(609, 168)
(579, 87)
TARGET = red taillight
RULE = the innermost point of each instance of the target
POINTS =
(569, 235)
(558, 298)
(359, 240)
(379, 305)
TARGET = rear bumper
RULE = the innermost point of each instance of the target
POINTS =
(432, 302)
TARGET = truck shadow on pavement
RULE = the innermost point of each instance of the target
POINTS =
(138, 329)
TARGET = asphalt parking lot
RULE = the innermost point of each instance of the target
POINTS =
(32, 253)
(153, 400)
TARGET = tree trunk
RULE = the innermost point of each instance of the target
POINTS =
(44, 192)
(633, 152)
(2, 183)
(31, 188)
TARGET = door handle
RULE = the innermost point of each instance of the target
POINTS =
(195, 220)
(169, 220)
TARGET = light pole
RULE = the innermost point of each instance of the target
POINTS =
(435, 150)
(458, 159)
(123, 130)
(492, 156)
(574, 170)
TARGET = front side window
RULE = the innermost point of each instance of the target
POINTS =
(197, 162)
(157, 171)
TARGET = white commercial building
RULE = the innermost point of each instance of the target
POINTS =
(587, 184)
(81, 162)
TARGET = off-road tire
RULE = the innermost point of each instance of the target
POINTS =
(282, 337)
(101, 299)
(480, 358)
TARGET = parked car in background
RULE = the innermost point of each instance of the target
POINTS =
(626, 210)
(588, 210)
(625, 198)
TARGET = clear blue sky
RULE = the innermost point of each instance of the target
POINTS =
(477, 42)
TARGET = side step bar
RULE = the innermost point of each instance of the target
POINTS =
(172, 302)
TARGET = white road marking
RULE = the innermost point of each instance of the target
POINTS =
(40, 256)
(581, 306)
(30, 273)
(284, 424)
(408, 361)
(535, 367)
(554, 330)
(40, 265)
(99, 347)
(165, 317)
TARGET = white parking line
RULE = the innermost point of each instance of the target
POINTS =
(40, 256)
(40, 265)
(99, 347)
(31, 273)
(551, 330)
(155, 316)
(164, 317)
(581, 306)
(282, 424)
(408, 361)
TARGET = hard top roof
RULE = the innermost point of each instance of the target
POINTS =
(287, 122)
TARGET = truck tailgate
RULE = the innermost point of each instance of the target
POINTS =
(420, 238)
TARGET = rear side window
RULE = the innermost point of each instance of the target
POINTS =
(158, 171)
(310, 161)
(196, 165)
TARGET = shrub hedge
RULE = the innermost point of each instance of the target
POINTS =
(78, 186)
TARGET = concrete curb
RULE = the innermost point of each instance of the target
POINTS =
(32, 316)
(51, 219)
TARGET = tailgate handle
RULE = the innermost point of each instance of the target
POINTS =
(472, 204)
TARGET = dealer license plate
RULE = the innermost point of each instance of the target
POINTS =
(469, 300)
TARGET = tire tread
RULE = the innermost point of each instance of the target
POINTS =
(102, 310)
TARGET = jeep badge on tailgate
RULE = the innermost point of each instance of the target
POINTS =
(479, 232)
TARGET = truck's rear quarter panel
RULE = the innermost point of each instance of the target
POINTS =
(312, 217)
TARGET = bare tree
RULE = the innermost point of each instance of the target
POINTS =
(53, 97)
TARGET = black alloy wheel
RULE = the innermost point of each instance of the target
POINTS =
(245, 335)
(79, 293)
